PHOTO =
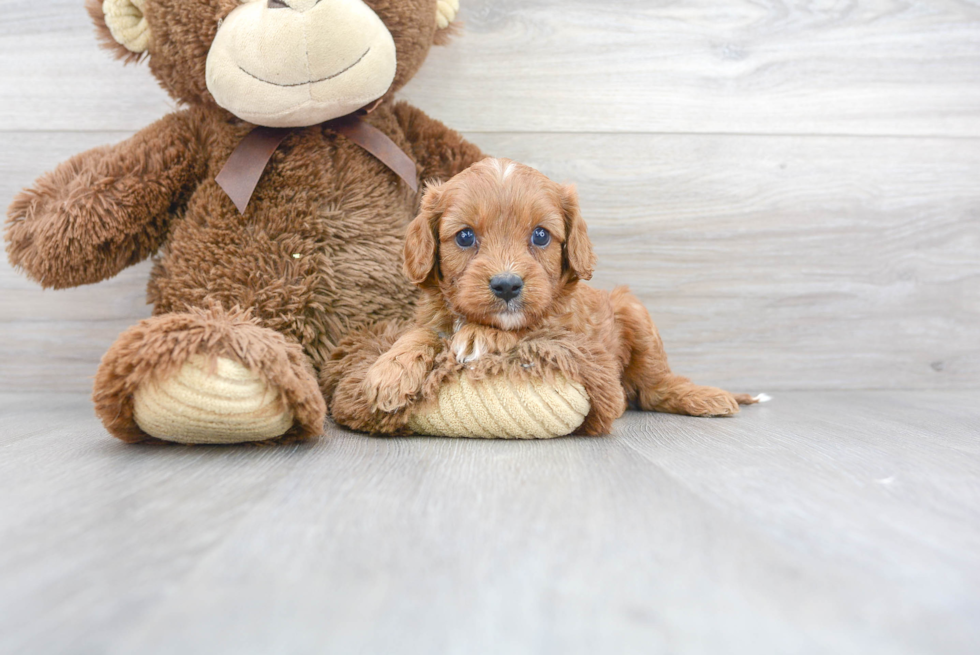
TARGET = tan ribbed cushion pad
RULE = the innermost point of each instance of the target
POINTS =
(228, 404)
(499, 408)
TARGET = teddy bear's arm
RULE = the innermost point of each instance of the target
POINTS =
(104, 209)
(440, 151)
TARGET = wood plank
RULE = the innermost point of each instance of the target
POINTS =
(768, 262)
(830, 522)
(73, 447)
(878, 67)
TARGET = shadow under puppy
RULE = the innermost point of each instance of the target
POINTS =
(499, 252)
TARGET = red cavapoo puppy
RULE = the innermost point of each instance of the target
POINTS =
(499, 252)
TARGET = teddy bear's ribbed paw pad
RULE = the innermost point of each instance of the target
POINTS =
(215, 401)
(499, 408)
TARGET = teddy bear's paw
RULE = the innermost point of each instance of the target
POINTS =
(211, 401)
(210, 376)
(504, 408)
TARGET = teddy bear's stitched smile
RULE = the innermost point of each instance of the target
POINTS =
(322, 79)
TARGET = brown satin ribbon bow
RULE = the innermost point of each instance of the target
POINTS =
(243, 170)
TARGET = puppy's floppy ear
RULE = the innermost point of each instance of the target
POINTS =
(577, 258)
(422, 238)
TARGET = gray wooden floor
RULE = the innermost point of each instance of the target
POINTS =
(819, 523)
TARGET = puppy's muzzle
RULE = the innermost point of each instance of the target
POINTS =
(506, 286)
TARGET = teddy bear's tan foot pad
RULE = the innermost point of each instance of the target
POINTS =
(500, 408)
(211, 403)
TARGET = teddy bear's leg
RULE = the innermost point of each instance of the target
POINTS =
(647, 377)
(207, 376)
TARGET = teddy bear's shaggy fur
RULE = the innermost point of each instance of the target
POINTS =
(317, 253)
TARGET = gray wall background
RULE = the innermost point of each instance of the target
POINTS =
(793, 188)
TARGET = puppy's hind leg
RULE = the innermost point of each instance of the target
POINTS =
(647, 377)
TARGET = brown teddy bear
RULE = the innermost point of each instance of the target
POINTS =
(272, 242)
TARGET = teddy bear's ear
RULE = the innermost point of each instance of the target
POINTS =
(446, 11)
(122, 26)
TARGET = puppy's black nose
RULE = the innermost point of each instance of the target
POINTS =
(506, 286)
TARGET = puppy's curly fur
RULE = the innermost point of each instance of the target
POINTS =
(501, 218)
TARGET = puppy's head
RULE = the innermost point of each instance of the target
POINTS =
(501, 242)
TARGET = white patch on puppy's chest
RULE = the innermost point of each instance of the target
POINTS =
(468, 350)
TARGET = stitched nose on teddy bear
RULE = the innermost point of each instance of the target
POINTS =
(298, 5)
(506, 286)
(295, 63)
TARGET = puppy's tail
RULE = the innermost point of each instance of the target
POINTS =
(746, 399)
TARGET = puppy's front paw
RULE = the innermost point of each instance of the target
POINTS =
(391, 383)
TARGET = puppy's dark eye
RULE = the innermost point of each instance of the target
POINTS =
(540, 237)
(466, 238)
